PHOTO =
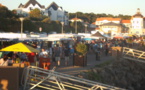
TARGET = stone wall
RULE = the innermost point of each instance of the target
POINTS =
(121, 73)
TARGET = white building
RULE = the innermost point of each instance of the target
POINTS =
(103, 20)
(137, 23)
(55, 12)
(76, 19)
(126, 25)
(30, 5)
(108, 25)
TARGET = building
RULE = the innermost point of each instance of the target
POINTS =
(55, 12)
(30, 5)
(102, 20)
(137, 23)
(111, 28)
(126, 25)
(76, 19)
(1, 5)
(116, 25)
(109, 25)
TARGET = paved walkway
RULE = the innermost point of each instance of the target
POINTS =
(91, 62)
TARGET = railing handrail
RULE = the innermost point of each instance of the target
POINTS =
(91, 84)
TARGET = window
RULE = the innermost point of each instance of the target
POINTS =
(30, 8)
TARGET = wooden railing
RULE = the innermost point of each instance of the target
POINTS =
(133, 54)
(49, 79)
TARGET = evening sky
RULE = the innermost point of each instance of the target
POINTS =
(115, 7)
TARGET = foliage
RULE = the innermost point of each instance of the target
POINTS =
(80, 26)
(35, 14)
(81, 49)
(125, 17)
(5, 13)
(129, 40)
(94, 76)
(9, 21)
(91, 17)
(46, 20)
(106, 63)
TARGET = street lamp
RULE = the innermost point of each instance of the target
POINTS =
(62, 23)
(86, 28)
(76, 31)
(40, 29)
(21, 19)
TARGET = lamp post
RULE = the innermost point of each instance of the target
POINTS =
(76, 31)
(62, 23)
(21, 19)
(86, 28)
(40, 29)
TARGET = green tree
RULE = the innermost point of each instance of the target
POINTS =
(46, 20)
(35, 14)
(5, 13)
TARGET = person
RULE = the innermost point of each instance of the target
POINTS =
(50, 52)
(36, 59)
(4, 61)
(23, 57)
(57, 53)
(71, 52)
(17, 59)
(106, 49)
(31, 58)
(44, 60)
(14, 56)
(10, 61)
(66, 54)
(43, 54)
(98, 54)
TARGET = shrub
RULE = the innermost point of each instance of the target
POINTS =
(81, 49)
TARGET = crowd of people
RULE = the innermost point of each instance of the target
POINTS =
(54, 54)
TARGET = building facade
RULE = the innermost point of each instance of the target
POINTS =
(55, 12)
(116, 25)
(76, 19)
(108, 25)
(137, 23)
(30, 5)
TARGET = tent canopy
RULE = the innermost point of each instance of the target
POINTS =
(19, 47)
(98, 34)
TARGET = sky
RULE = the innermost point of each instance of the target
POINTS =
(114, 7)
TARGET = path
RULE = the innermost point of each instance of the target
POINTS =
(91, 62)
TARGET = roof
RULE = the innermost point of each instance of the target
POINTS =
(94, 23)
(97, 28)
(75, 19)
(111, 24)
(33, 2)
(98, 34)
(108, 18)
(138, 14)
(1, 4)
(125, 21)
(53, 5)
(21, 5)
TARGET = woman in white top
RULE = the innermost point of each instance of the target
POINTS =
(4, 61)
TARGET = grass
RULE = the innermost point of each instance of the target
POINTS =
(94, 76)
(106, 63)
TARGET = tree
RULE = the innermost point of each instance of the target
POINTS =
(35, 14)
(5, 13)
(46, 20)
